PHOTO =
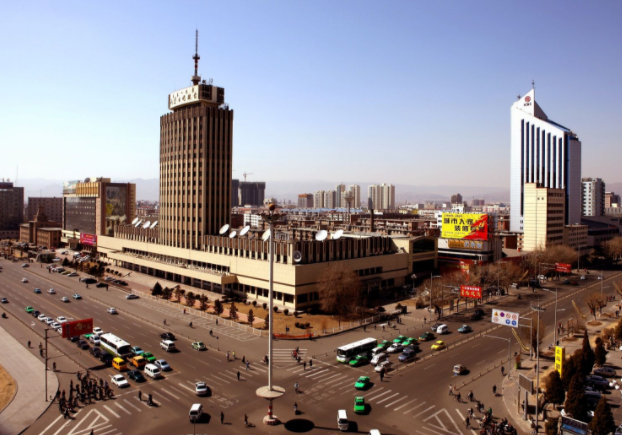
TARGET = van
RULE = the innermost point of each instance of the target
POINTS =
(167, 345)
(153, 371)
(196, 411)
(378, 358)
(138, 361)
(377, 350)
(119, 364)
(342, 420)
(442, 329)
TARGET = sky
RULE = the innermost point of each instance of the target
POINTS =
(402, 92)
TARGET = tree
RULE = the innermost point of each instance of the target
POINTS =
(339, 290)
(613, 248)
(233, 311)
(575, 400)
(587, 356)
(167, 293)
(203, 302)
(218, 308)
(550, 427)
(157, 289)
(570, 369)
(600, 353)
(603, 422)
(555, 388)
(65, 262)
(191, 298)
(534, 335)
(251, 317)
(595, 301)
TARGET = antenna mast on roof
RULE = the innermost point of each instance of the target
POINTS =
(195, 78)
(533, 84)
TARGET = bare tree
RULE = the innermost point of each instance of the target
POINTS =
(613, 248)
(595, 301)
(534, 335)
(339, 290)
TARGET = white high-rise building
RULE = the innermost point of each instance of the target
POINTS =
(356, 192)
(330, 199)
(318, 199)
(339, 191)
(381, 196)
(542, 152)
(593, 197)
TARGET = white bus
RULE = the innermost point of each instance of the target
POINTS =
(349, 351)
(115, 345)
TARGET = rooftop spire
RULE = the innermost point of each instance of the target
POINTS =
(195, 78)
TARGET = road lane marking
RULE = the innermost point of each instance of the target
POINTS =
(315, 373)
(51, 424)
(424, 411)
(500, 352)
(133, 406)
(104, 433)
(338, 374)
(482, 362)
(188, 388)
(387, 398)
(475, 345)
(405, 404)
(377, 395)
(392, 403)
(111, 411)
(412, 409)
(192, 366)
(122, 409)
(429, 366)
(464, 419)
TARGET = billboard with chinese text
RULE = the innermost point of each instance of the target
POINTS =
(560, 356)
(468, 226)
(77, 328)
(88, 239)
(470, 291)
(563, 267)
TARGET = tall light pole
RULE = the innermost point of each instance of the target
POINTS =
(579, 258)
(601, 282)
(270, 392)
(509, 350)
(538, 309)
(413, 277)
(555, 328)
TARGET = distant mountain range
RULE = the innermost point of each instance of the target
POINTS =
(148, 190)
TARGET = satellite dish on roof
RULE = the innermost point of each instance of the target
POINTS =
(134, 221)
(265, 236)
(232, 234)
(337, 234)
(138, 223)
(146, 225)
(245, 230)
(154, 224)
(297, 256)
(321, 235)
(223, 229)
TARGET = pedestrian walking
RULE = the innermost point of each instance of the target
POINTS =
(245, 420)
(494, 390)
(382, 376)
(140, 395)
(234, 354)
(238, 375)
(466, 422)
(222, 417)
(216, 322)
(310, 363)
(304, 365)
(425, 320)
(451, 390)
(247, 365)
(28, 344)
(383, 327)
(227, 356)
(243, 359)
(40, 346)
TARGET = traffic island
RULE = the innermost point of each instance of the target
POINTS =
(270, 394)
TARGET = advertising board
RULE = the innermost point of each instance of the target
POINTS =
(470, 291)
(560, 355)
(563, 267)
(468, 226)
(88, 239)
(77, 327)
(507, 318)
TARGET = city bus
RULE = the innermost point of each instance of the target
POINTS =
(115, 345)
(349, 351)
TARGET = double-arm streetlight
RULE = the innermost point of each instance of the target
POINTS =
(539, 310)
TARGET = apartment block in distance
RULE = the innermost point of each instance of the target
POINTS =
(305, 200)
(543, 217)
(11, 210)
(52, 207)
(592, 197)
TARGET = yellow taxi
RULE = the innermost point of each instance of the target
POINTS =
(439, 345)
(138, 361)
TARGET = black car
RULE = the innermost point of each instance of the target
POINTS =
(122, 283)
(167, 336)
(479, 311)
(407, 355)
(74, 339)
(82, 344)
(36, 313)
(106, 358)
(136, 375)
(566, 281)
(101, 285)
(475, 316)
(95, 352)
(88, 280)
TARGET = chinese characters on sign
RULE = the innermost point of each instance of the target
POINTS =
(88, 239)
(465, 244)
(469, 291)
(507, 318)
(563, 267)
(560, 355)
(77, 328)
(469, 226)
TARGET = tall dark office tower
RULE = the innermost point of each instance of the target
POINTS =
(195, 163)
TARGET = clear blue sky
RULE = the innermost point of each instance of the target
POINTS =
(408, 92)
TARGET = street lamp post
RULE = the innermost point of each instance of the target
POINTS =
(431, 283)
(509, 350)
(555, 328)
(538, 309)
(413, 277)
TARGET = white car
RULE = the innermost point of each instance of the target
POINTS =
(61, 319)
(395, 347)
(25, 265)
(386, 365)
(64, 299)
(76, 296)
(119, 381)
(72, 274)
(131, 296)
(24, 280)
(42, 317)
(49, 320)
(95, 339)
(97, 330)
(112, 310)
(200, 388)
(56, 326)
(583, 277)
(108, 278)
(52, 291)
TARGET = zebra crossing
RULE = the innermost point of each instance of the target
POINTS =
(284, 357)
(198, 322)
(324, 382)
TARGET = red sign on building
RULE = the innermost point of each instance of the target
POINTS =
(88, 239)
(77, 328)
(470, 291)
(563, 267)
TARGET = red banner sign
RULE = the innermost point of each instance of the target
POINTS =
(563, 267)
(77, 328)
(88, 239)
(470, 291)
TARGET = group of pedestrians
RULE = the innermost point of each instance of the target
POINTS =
(85, 390)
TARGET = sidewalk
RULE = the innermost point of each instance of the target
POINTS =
(27, 371)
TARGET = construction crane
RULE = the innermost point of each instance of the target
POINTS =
(247, 173)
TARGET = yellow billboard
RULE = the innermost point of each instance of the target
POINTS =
(560, 356)
(468, 226)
